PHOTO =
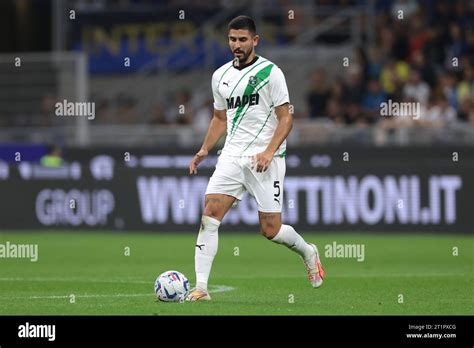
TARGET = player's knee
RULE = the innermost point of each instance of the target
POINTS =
(212, 212)
(268, 231)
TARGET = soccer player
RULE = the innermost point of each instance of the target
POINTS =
(251, 104)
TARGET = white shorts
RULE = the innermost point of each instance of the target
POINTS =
(233, 176)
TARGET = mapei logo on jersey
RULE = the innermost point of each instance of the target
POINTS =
(251, 99)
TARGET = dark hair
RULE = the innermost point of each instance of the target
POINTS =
(243, 22)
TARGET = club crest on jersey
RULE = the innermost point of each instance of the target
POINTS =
(252, 80)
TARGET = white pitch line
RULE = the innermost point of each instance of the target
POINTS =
(87, 296)
(220, 288)
(215, 289)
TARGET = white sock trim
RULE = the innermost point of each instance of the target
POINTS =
(201, 286)
(210, 220)
(289, 237)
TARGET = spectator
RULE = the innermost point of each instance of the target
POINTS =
(465, 88)
(416, 88)
(448, 88)
(456, 46)
(386, 40)
(439, 114)
(157, 114)
(181, 111)
(419, 36)
(375, 65)
(354, 87)
(426, 69)
(461, 14)
(363, 62)
(465, 107)
(318, 95)
(47, 116)
(469, 47)
(105, 115)
(354, 115)
(337, 90)
(400, 47)
(434, 50)
(53, 157)
(373, 98)
(394, 75)
(335, 112)
(126, 111)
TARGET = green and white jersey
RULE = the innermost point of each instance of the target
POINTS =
(250, 95)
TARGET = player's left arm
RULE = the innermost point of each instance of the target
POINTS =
(285, 123)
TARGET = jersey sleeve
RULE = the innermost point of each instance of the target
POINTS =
(278, 89)
(219, 101)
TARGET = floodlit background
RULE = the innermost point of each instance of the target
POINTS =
(398, 186)
(138, 61)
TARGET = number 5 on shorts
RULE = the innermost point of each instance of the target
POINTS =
(276, 184)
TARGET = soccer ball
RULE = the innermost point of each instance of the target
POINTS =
(171, 286)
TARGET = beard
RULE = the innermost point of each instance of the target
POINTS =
(245, 55)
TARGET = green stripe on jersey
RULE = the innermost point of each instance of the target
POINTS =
(260, 129)
(259, 88)
(223, 75)
(262, 75)
(244, 76)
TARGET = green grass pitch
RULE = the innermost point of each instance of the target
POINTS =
(250, 276)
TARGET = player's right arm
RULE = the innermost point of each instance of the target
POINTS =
(216, 130)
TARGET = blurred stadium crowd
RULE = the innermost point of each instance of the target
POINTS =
(428, 57)
(422, 51)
